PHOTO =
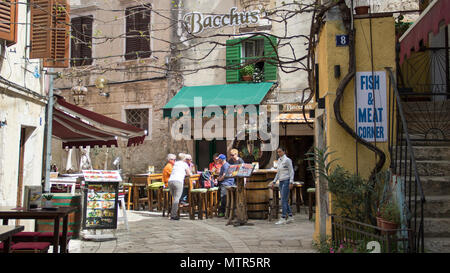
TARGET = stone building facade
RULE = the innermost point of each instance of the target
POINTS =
(141, 85)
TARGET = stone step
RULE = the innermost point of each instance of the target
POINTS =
(435, 185)
(427, 152)
(436, 206)
(437, 245)
(437, 227)
(433, 167)
(420, 140)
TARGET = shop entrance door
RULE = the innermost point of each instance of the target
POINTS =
(205, 149)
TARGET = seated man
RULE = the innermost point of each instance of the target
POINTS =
(224, 182)
(215, 166)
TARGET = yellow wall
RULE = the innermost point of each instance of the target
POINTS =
(328, 55)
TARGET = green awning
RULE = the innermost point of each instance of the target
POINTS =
(220, 95)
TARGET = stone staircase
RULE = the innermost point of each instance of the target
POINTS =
(433, 163)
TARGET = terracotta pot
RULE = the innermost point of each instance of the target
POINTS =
(381, 223)
(361, 10)
(247, 78)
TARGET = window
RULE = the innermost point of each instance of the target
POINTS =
(241, 51)
(138, 32)
(138, 118)
(81, 42)
(8, 26)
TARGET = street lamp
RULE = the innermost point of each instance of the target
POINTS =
(101, 83)
(79, 92)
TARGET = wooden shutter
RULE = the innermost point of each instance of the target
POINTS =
(41, 23)
(60, 35)
(138, 34)
(8, 21)
(233, 55)
(270, 65)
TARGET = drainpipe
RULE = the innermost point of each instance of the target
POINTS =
(48, 135)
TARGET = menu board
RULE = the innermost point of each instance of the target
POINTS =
(100, 205)
(242, 170)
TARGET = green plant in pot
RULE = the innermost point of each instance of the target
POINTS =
(389, 217)
(47, 198)
(247, 72)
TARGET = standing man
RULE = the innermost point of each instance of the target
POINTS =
(176, 182)
(235, 159)
(171, 158)
(224, 182)
(285, 174)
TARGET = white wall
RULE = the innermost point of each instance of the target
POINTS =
(20, 109)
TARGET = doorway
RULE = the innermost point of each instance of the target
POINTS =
(205, 150)
(21, 166)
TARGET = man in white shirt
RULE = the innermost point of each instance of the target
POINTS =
(176, 181)
(285, 174)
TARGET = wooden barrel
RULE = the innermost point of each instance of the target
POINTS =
(74, 219)
(257, 192)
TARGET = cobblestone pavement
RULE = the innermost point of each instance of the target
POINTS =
(149, 232)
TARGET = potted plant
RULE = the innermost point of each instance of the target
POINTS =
(247, 72)
(362, 8)
(47, 198)
(388, 217)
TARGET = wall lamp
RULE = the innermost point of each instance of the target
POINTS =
(101, 83)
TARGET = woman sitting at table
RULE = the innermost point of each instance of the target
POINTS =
(176, 182)
(235, 159)
(214, 167)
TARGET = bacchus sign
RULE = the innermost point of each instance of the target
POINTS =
(197, 22)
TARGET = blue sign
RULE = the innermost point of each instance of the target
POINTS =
(341, 40)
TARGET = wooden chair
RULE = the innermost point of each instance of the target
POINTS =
(167, 201)
(138, 181)
(231, 203)
(297, 191)
(213, 201)
(128, 189)
(311, 196)
(197, 198)
(275, 208)
(30, 247)
(154, 185)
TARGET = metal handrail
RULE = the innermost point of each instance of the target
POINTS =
(405, 128)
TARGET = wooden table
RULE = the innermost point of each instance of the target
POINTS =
(7, 213)
(6, 233)
(241, 198)
(141, 180)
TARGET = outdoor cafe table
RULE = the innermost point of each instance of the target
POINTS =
(241, 195)
(6, 233)
(7, 213)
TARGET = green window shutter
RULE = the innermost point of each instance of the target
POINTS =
(270, 66)
(233, 59)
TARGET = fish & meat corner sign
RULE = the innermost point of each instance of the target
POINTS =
(197, 22)
(371, 115)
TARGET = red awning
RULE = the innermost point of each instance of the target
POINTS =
(77, 127)
(429, 21)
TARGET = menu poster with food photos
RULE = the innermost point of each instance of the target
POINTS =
(100, 206)
(242, 170)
